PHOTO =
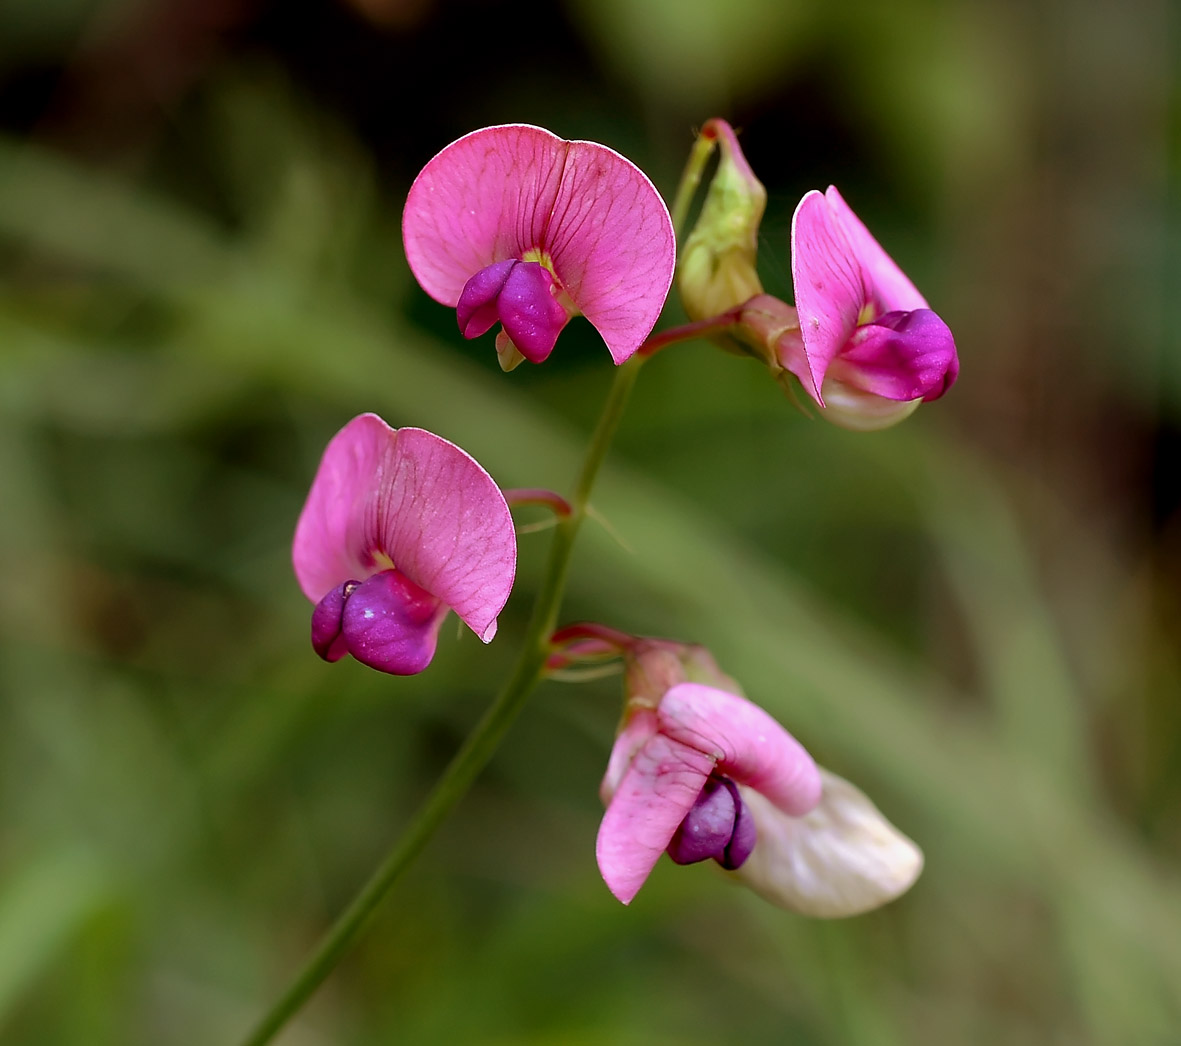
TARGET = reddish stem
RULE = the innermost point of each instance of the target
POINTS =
(701, 328)
(539, 496)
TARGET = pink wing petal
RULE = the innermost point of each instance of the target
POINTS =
(445, 524)
(889, 286)
(640, 726)
(747, 744)
(829, 287)
(326, 551)
(655, 793)
(484, 198)
(612, 244)
(900, 356)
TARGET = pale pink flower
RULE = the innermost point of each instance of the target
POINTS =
(399, 527)
(696, 740)
(515, 225)
(702, 773)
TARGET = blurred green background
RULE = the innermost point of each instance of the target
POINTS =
(975, 616)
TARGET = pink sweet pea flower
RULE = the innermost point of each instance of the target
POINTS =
(868, 344)
(700, 772)
(515, 225)
(399, 527)
(671, 783)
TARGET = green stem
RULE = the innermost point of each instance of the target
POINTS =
(481, 743)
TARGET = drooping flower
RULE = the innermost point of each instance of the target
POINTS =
(699, 772)
(671, 763)
(868, 350)
(515, 225)
(399, 527)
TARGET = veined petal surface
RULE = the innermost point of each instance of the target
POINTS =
(655, 793)
(612, 244)
(485, 198)
(889, 287)
(829, 287)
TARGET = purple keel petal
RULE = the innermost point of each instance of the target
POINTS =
(747, 744)
(391, 624)
(829, 287)
(476, 310)
(708, 826)
(656, 792)
(327, 639)
(744, 836)
(900, 356)
(612, 244)
(890, 289)
(484, 198)
(531, 315)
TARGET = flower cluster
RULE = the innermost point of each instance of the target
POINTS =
(514, 226)
(860, 338)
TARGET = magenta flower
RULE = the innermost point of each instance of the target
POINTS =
(672, 783)
(866, 334)
(399, 527)
(516, 226)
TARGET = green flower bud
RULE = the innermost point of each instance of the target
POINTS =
(717, 270)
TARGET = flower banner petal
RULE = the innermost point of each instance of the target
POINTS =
(829, 288)
(890, 288)
(328, 548)
(485, 198)
(444, 523)
(612, 244)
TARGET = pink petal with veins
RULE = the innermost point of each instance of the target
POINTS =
(410, 499)
(888, 286)
(484, 198)
(655, 793)
(829, 285)
(612, 243)
(746, 743)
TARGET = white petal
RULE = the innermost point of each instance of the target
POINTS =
(843, 858)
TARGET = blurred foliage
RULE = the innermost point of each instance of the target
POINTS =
(974, 616)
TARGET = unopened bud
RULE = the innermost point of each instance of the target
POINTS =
(717, 267)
